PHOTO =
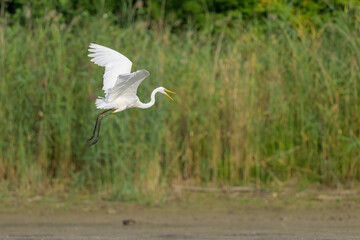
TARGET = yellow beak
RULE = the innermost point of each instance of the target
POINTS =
(169, 91)
(168, 94)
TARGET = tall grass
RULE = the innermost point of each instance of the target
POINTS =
(252, 108)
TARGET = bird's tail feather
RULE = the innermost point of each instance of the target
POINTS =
(102, 104)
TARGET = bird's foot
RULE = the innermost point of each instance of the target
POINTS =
(94, 142)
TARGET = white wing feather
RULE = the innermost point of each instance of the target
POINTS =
(127, 85)
(114, 62)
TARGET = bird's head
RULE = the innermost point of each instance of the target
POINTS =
(165, 91)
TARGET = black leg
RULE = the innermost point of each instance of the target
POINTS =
(98, 129)
(97, 118)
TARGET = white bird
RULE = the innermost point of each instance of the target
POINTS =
(120, 85)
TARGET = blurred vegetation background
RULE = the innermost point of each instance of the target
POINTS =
(267, 94)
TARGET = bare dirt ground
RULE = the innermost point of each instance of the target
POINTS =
(322, 216)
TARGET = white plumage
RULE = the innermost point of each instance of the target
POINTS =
(119, 84)
(114, 62)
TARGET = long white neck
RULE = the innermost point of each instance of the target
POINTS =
(152, 101)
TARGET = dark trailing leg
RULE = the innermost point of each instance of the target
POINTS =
(97, 119)
(98, 129)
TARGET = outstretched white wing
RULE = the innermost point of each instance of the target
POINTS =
(114, 62)
(126, 85)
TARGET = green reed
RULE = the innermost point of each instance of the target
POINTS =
(253, 107)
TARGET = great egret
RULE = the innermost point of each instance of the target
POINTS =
(120, 85)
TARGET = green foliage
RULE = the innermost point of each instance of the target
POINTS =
(182, 13)
(255, 105)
